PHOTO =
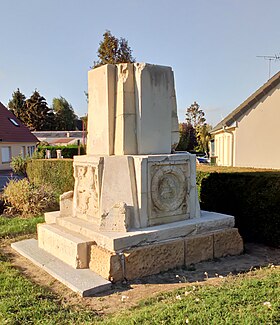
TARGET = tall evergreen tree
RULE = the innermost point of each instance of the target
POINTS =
(113, 50)
(39, 117)
(65, 116)
(17, 105)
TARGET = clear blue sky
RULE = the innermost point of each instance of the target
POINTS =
(211, 46)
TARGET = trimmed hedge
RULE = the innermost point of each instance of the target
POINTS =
(66, 151)
(253, 198)
(58, 173)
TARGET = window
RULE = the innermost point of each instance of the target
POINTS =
(6, 154)
(30, 150)
(13, 121)
(212, 143)
(23, 151)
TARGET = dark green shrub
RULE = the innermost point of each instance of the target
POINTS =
(251, 197)
(66, 151)
(58, 173)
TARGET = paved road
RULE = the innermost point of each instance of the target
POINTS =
(5, 177)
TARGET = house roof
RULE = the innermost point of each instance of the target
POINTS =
(62, 140)
(12, 129)
(248, 103)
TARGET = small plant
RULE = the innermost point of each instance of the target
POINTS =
(19, 165)
(24, 198)
(38, 154)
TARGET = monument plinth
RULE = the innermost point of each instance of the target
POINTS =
(134, 210)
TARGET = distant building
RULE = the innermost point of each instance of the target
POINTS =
(61, 138)
(15, 138)
(249, 136)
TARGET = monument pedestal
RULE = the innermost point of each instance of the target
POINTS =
(134, 210)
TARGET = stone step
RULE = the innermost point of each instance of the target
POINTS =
(81, 226)
(69, 246)
(85, 282)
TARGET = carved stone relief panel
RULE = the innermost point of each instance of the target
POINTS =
(86, 191)
(168, 193)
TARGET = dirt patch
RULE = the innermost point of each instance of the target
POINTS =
(123, 296)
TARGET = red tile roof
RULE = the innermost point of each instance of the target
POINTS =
(10, 132)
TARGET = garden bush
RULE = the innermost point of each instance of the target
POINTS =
(24, 198)
(251, 197)
(56, 173)
(66, 151)
(19, 164)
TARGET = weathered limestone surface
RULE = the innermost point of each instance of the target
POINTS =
(198, 248)
(105, 263)
(136, 109)
(71, 248)
(138, 262)
(156, 189)
(120, 240)
(228, 242)
(66, 204)
(153, 259)
(162, 255)
(101, 103)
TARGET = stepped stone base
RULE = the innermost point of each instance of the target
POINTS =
(129, 255)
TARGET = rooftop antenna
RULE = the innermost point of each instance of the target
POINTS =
(270, 58)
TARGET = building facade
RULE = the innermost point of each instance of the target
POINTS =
(15, 138)
(249, 136)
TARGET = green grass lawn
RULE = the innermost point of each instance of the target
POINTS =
(13, 227)
(244, 299)
(252, 298)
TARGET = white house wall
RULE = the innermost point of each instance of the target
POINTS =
(258, 134)
(223, 148)
(16, 149)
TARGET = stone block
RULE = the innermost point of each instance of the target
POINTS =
(118, 219)
(168, 188)
(227, 242)
(51, 217)
(137, 262)
(106, 263)
(125, 114)
(66, 204)
(71, 248)
(101, 92)
(154, 99)
(153, 259)
(198, 248)
(118, 185)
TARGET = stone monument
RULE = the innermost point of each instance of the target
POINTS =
(134, 210)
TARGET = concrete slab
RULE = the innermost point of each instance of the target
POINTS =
(83, 281)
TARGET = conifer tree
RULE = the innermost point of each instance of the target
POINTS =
(39, 117)
(113, 50)
(17, 105)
